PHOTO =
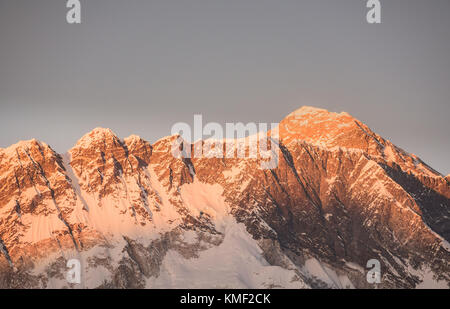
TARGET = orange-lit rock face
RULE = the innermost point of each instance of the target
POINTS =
(29, 165)
(334, 131)
(327, 129)
(100, 157)
(36, 200)
(340, 194)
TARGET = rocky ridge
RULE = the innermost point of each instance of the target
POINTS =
(131, 212)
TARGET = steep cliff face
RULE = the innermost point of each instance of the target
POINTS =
(36, 201)
(136, 216)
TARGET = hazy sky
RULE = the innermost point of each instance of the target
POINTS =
(140, 66)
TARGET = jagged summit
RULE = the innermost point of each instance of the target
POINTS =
(341, 131)
(328, 129)
(100, 132)
(311, 111)
(134, 139)
(26, 145)
(96, 135)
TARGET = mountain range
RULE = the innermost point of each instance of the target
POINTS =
(135, 216)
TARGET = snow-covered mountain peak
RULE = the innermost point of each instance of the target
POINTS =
(311, 112)
(27, 144)
(24, 153)
(95, 136)
(341, 131)
(132, 139)
(328, 129)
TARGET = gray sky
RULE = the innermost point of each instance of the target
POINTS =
(140, 66)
